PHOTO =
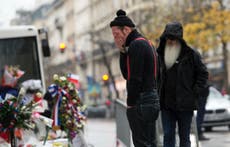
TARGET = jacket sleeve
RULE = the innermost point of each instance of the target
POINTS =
(123, 64)
(136, 56)
(201, 74)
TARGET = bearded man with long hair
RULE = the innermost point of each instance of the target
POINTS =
(184, 76)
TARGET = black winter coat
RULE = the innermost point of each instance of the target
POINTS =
(141, 63)
(190, 79)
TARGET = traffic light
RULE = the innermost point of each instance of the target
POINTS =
(62, 47)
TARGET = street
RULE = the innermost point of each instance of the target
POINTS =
(102, 133)
(219, 137)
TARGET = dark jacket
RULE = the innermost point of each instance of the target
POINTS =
(182, 86)
(141, 63)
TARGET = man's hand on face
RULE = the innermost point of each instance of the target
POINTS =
(120, 44)
(119, 38)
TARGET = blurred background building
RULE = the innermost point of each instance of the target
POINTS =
(81, 41)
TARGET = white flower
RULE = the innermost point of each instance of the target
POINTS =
(69, 112)
(63, 78)
(55, 77)
(23, 107)
(79, 125)
(39, 94)
(63, 98)
(74, 101)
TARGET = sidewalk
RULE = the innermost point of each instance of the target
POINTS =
(100, 132)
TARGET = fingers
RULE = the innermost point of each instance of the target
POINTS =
(118, 43)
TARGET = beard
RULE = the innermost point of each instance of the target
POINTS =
(171, 54)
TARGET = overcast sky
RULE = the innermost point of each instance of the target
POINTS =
(9, 7)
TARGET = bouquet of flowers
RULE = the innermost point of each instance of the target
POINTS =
(67, 111)
(11, 75)
(17, 109)
(14, 116)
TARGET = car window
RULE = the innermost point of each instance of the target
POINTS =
(214, 93)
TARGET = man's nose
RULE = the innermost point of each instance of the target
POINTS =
(171, 42)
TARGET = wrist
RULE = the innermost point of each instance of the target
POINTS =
(122, 50)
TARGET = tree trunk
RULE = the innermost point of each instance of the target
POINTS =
(109, 71)
(225, 63)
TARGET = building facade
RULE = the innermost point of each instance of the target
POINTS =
(84, 27)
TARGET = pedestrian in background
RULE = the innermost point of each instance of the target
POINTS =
(201, 112)
(138, 64)
(183, 78)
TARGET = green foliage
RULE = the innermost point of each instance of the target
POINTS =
(205, 26)
(14, 114)
(209, 27)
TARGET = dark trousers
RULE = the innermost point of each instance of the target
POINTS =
(169, 119)
(200, 114)
(143, 132)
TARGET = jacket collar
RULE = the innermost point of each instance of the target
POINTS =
(132, 36)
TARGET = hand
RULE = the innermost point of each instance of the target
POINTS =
(120, 45)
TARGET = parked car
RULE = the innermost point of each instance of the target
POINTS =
(217, 110)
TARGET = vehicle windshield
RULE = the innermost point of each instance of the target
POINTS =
(20, 52)
(214, 93)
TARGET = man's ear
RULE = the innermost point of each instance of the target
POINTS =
(127, 30)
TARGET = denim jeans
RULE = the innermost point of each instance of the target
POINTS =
(169, 119)
(200, 114)
(143, 132)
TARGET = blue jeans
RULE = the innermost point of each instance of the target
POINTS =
(169, 119)
(200, 114)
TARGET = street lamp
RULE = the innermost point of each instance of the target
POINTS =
(105, 77)
(62, 47)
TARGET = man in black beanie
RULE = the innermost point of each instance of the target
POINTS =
(138, 64)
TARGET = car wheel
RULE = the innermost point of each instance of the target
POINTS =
(208, 129)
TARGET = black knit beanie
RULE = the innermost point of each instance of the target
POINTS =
(122, 20)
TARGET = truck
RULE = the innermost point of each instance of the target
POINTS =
(24, 46)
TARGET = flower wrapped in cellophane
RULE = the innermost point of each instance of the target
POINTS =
(67, 110)
(17, 107)
(11, 75)
(15, 116)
